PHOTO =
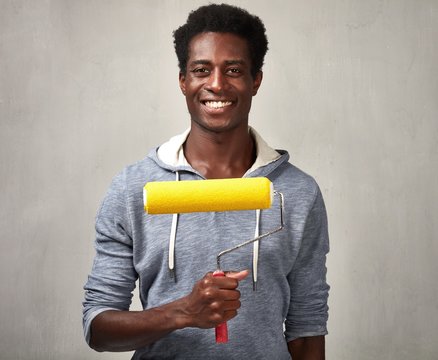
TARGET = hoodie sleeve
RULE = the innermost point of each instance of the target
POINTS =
(308, 309)
(112, 279)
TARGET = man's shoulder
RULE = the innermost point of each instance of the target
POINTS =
(140, 172)
(140, 167)
(292, 179)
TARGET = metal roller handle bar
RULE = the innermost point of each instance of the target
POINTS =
(218, 259)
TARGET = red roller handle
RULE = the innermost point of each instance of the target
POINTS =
(221, 329)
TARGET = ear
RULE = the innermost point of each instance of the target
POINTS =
(182, 82)
(257, 82)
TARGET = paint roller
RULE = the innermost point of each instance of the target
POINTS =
(171, 197)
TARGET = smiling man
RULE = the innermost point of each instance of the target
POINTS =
(220, 51)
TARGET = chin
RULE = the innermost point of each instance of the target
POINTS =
(217, 126)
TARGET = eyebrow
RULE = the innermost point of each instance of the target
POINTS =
(227, 62)
(200, 62)
(235, 62)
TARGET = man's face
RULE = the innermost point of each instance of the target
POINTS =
(218, 85)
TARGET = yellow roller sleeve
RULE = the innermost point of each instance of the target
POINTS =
(168, 197)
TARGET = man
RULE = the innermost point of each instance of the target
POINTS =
(220, 51)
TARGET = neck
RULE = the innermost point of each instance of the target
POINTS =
(218, 155)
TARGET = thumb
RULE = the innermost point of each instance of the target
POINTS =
(239, 275)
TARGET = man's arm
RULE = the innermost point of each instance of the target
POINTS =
(212, 301)
(307, 348)
(308, 312)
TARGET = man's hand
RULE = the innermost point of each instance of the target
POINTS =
(213, 300)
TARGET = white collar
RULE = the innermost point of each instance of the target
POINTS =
(172, 151)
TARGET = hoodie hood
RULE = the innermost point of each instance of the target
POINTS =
(170, 155)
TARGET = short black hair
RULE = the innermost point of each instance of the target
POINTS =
(223, 18)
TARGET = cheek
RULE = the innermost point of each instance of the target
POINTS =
(192, 104)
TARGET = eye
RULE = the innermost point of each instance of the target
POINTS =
(234, 71)
(200, 71)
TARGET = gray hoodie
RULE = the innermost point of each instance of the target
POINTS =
(289, 266)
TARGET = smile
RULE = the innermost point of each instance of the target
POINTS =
(217, 104)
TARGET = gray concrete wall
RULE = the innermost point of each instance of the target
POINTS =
(350, 89)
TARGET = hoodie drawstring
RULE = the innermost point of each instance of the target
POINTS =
(172, 240)
(255, 254)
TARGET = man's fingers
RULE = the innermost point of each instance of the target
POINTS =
(238, 275)
(229, 295)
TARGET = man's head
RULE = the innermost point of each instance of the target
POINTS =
(223, 19)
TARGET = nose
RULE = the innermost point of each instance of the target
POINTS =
(216, 81)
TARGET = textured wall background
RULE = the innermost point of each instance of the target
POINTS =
(350, 89)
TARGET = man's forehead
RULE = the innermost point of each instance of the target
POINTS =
(232, 48)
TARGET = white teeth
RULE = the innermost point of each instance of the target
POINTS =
(217, 104)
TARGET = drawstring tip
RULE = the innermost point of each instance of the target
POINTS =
(172, 274)
(254, 285)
